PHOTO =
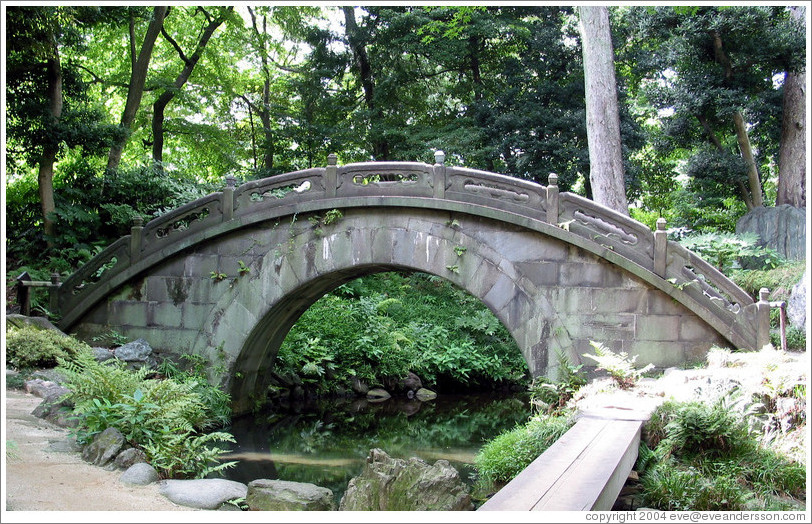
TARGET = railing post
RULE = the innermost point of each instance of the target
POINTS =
(24, 293)
(331, 176)
(762, 319)
(53, 293)
(136, 232)
(552, 199)
(228, 198)
(660, 248)
(439, 174)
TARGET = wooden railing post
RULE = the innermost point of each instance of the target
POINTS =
(228, 198)
(331, 176)
(660, 248)
(136, 233)
(552, 199)
(439, 174)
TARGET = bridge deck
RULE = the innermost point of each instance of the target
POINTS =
(583, 470)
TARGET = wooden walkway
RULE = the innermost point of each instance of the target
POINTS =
(584, 470)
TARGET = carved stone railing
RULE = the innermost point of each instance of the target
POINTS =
(571, 218)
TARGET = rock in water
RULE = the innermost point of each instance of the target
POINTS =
(282, 495)
(390, 484)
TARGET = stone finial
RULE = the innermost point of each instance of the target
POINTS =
(138, 221)
(552, 179)
(763, 294)
(661, 223)
(231, 181)
(332, 159)
(439, 157)
(55, 277)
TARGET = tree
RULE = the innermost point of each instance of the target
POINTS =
(139, 67)
(606, 173)
(47, 105)
(792, 152)
(189, 63)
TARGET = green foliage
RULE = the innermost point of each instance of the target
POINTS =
(380, 327)
(619, 366)
(551, 396)
(795, 336)
(705, 459)
(727, 250)
(508, 454)
(168, 418)
(31, 347)
(779, 280)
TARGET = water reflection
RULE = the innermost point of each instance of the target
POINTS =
(326, 443)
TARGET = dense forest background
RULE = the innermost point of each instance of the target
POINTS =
(113, 112)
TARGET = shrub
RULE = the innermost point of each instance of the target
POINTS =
(619, 366)
(167, 418)
(509, 453)
(31, 347)
(552, 396)
(711, 430)
(673, 488)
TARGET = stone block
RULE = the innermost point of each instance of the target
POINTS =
(282, 495)
(166, 314)
(610, 300)
(502, 291)
(540, 274)
(195, 316)
(691, 329)
(579, 274)
(657, 327)
(572, 300)
(128, 313)
(200, 265)
(663, 354)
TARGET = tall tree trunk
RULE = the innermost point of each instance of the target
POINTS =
(753, 178)
(606, 171)
(159, 107)
(45, 175)
(792, 151)
(380, 146)
(138, 77)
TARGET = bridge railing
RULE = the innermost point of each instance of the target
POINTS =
(251, 201)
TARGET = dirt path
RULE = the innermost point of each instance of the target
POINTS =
(40, 479)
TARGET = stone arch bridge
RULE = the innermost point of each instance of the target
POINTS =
(225, 277)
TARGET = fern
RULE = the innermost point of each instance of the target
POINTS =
(619, 366)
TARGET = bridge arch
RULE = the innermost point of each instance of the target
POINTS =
(226, 276)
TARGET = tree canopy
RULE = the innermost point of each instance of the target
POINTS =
(101, 99)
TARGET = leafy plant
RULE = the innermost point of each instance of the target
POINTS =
(727, 250)
(619, 366)
(552, 396)
(31, 347)
(217, 276)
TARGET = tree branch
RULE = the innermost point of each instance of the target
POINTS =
(175, 45)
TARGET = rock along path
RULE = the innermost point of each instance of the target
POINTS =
(38, 478)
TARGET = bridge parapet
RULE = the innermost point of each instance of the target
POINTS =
(575, 219)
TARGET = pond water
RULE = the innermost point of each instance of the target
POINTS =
(327, 443)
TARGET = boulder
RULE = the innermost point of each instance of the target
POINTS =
(130, 457)
(390, 484)
(359, 386)
(42, 388)
(782, 228)
(104, 447)
(139, 474)
(282, 495)
(56, 408)
(378, 394)
(424, 394)
(102, 354)
(136, 353)
(202, 493)
(410, 382)
(796, 305)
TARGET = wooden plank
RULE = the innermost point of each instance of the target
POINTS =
(585, 480)
(583, 470)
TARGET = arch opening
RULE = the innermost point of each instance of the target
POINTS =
(372, 326)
